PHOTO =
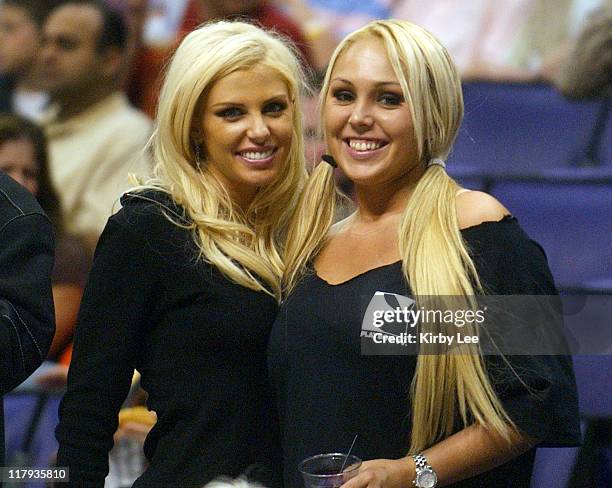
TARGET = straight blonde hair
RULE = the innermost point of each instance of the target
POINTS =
(435, 259)
(245, 245)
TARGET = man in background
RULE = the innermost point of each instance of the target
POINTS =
(21, 24)
(95, 137)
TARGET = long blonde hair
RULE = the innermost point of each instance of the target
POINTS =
(245, 245)
(435, 259)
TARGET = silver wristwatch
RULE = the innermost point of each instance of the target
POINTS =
(426, 477)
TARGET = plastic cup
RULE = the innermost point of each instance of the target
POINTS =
(324, 470)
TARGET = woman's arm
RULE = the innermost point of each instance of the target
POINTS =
(465, 454)
(108, 339)
(472, 451)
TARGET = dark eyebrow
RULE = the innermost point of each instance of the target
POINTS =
(227, 104)
(276, 98)
(378, 83)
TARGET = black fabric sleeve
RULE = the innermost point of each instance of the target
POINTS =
(27, 321)
(116, 305)
(538, 392)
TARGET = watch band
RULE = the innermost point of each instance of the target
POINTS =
(425, 475)
(420, 461)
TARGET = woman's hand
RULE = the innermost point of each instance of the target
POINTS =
(384, 473)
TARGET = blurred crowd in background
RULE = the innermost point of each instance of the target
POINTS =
(90, 77)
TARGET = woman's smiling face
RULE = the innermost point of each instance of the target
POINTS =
(368, 124)
(246, 129)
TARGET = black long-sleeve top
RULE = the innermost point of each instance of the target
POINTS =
(198, 341)
(27, 320)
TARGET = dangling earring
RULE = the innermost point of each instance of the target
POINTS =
(198, 157)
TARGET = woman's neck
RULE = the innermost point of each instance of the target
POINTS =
(376, 202)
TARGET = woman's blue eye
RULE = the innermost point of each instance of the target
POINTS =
(275, 107)
(229, 113)
(390, 99)
(343, 95)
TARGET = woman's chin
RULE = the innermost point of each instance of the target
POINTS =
(365, 176)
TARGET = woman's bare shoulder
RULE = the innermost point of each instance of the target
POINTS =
(476, 207)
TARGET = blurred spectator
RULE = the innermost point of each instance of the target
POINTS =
(95, 137)
(340, 16)
(587, 72)
(262, 12)
(479, 34)
(326, 22)
(162, 21)
(23, 156)
(544, 39)
(153, 40)
(26, 305)
(134, 13)
(20, 32)
(509, 40)
(144, 80)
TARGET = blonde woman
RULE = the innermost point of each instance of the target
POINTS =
(186, 279)
(391, 107)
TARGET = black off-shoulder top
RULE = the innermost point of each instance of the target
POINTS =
(327, 391)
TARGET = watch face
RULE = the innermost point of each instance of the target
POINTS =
(427, 479)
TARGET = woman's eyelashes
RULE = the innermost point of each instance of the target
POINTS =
(389, 99)
(277, 108)
(234, 113)
(343, 95)
(230, 113)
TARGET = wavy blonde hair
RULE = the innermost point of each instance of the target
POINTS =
(244, 244)
(435, 259)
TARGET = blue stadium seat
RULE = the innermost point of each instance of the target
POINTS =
(599, 286)
(553, 467)
(572, 222)
(471, 183)
(19, 412)
(521, 129)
